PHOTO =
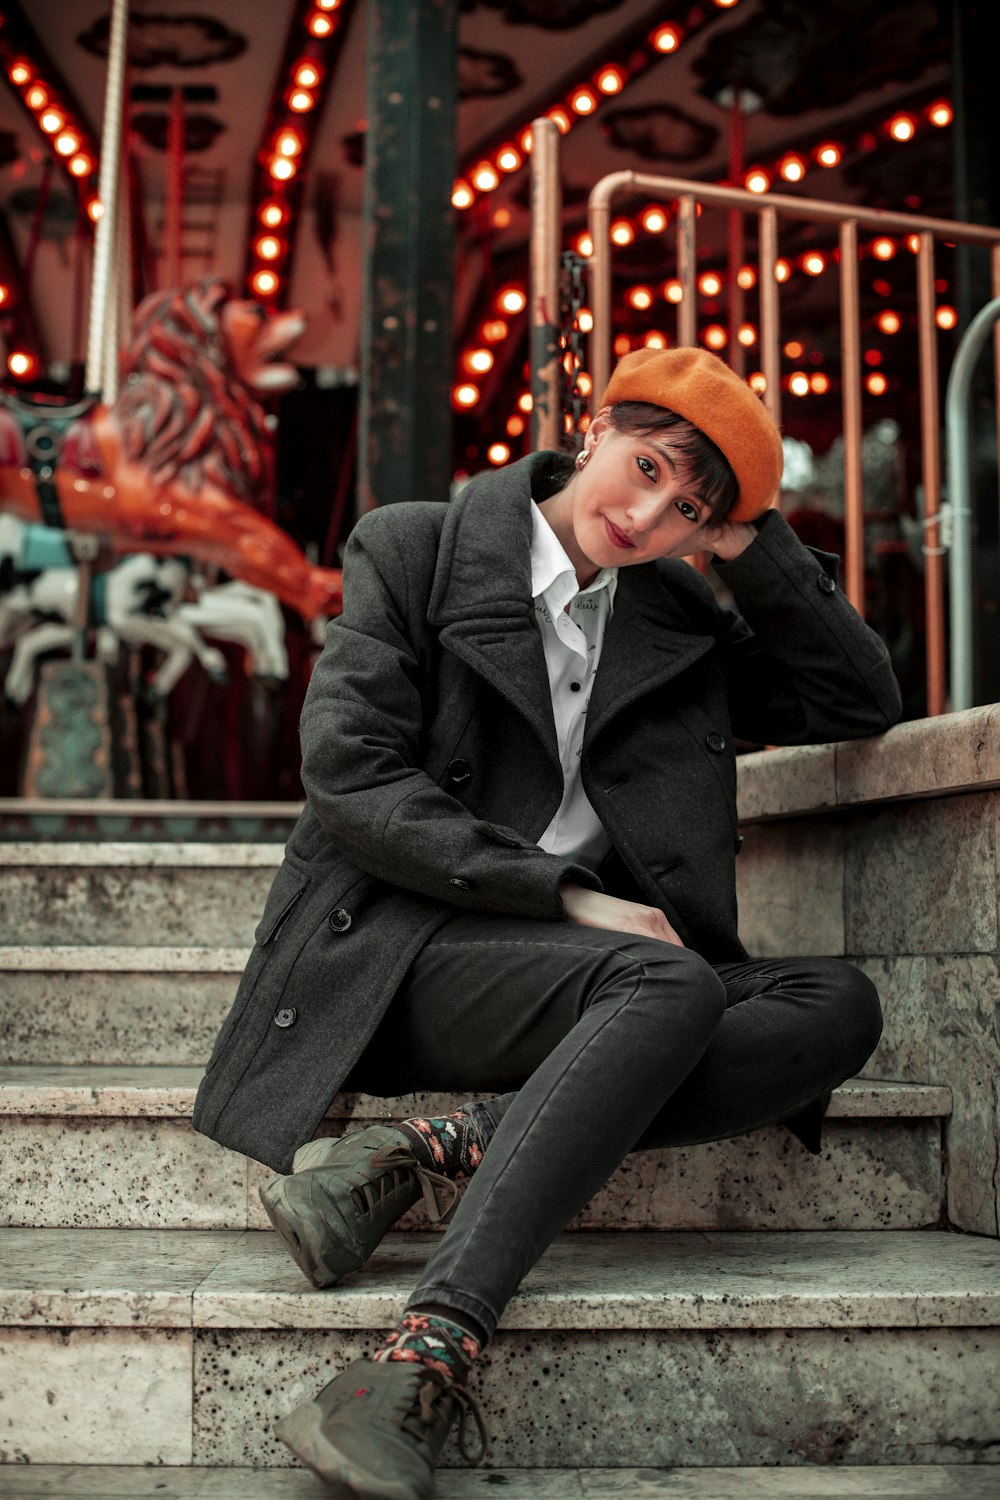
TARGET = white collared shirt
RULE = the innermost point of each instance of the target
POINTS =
(572, 641)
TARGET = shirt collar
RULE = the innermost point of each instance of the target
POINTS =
(550, 565)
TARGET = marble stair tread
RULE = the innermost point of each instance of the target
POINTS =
(833, 1482)
(43, 855)
(163, 1092)
(143, 1279)
(71, 958)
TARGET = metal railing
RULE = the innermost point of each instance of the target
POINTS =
(769, 210)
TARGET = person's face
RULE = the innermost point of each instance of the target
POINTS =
(631, 502)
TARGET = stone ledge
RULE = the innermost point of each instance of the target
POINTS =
(923, 758)
(75, 958)
(123, 854)
(772, 1280)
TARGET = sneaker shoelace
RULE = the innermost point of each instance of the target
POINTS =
(428, 1394)
(440, 1194)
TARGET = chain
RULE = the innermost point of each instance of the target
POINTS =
(572, 402)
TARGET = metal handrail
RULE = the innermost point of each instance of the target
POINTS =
(770, 208)
(957, 424)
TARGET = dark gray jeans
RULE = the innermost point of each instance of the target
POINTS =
(606, 1044)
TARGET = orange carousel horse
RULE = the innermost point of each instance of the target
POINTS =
(181, 460)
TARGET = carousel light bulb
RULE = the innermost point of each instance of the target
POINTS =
(829, 154)
(37, 97)
(622, 344)
(82, 165)
(525, 140)
(902, 127)
(819, 383)
(813, 263)
(913, 243)
(268, 247)
(272, 214)
(622, 232)
(67, 144)
(584, 245)
(946, 317)
(525, 401)
(585, 320)
(654, 339)
(798, 383)
(883, 248)
(877, 384)
(320, 25)
(583, 101)
(19, 73)
(782, 270)
(4, 293)
(654, 219)
(584, 384)
(288, 143)
(465, 396)
(509, 158)
(300, 100)
(498, 453)
(462, 195)
(889, 322)
(746, 277)
(264, 283)
(666, 38)
(52, 121)
(709, 284)
(559, 118)
(477, 361)
(485, 177)
(758, 382)
(512, 300)
(501, 218)
(640, 297)
(747, 335)
(281, 168)
(715, 336)
(792, 167)
(673, 291)
(757, 180)
(940, 112)
(307, 75)
(611, 80)
(494, 331)
(793, 349)
(19, 363)
(327, 4)
(515, 425)
(95, 209)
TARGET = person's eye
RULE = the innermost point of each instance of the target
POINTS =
(688, 511)
(647, 466)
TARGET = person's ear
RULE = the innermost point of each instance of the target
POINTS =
(598, 427)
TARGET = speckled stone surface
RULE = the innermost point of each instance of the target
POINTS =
(134, 893)
(776, 783)
(115, 1005)
(923, 758)
(105, 1278)
(121, 1173)
(922, 877)
(95, 1395)
(836, 1482)
(872, 1173)
(779, 862)
(640, 1397)
(903, 1052)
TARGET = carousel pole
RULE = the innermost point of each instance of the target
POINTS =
(108, 192)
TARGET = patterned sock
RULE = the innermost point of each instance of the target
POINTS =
(436, 1342)
(450, 1144)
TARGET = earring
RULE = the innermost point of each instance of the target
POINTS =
(583, 457)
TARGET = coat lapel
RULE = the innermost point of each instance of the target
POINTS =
(647, 643)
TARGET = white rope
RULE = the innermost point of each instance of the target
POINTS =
(108, 191)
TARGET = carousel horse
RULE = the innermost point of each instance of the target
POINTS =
(180, 462)
(136, 603)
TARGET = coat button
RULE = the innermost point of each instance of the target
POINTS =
(826, 584)
(286, 1016)
(716, 742)
(461, 885)
(458, 772)
(340, 920)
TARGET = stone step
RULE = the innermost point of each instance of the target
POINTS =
(113, 1148)
(67, 1005)
(203, 895)
(81, 820)
(170, 1347)
(837, 1482)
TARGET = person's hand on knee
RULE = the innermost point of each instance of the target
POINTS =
(589, 908)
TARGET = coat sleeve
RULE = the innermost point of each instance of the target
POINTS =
(803, 666)
(362, 727)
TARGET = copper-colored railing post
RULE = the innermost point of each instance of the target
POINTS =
(599, 224)
(995, 277)
(930, 442)
(850, 377)
(769, 316)
(546, 216)
(687, 269)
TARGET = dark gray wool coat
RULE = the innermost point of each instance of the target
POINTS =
(431, 768)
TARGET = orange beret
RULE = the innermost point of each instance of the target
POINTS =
(701, 387)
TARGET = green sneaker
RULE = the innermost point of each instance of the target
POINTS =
(344, 1195)
(375, 1432)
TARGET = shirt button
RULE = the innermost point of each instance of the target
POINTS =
(574, 687)
(286, 1016)
(340, 920)
(716, 742)
(826, 584)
